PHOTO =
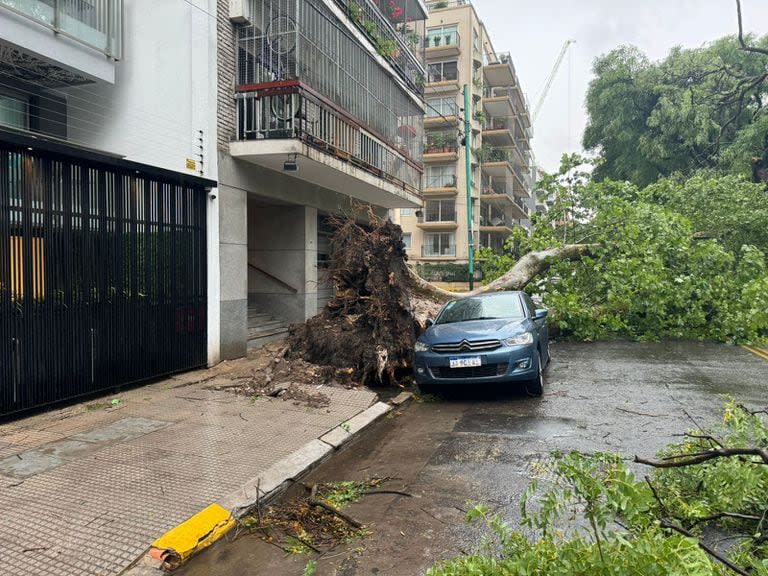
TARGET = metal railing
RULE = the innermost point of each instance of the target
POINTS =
(400, 42)
(433, 5)
(294, 113)
(441, 181)
(94, 23)
(431, 251)
(437, 211)
(438, 38)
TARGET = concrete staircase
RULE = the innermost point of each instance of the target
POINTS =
(264, 328)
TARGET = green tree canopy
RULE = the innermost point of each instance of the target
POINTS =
(652, 119)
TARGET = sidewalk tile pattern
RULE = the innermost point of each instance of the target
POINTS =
(95, 514)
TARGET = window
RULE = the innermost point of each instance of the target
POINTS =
(443, 71)
(442, 36)
(441, 176)
(442, 244)
(437, 107)
(475, 40)
(407, 241)
(442, 210)
(14, 112)
(406, 212)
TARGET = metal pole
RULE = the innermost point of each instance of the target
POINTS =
(468, 157)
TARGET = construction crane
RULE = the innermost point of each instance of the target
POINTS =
(551, 78)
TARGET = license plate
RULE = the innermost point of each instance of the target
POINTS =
(464, 362)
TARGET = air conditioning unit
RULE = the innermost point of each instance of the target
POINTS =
(240, 11)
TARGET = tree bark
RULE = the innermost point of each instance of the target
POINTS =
(519, 276)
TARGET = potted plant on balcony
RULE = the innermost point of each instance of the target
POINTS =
(441, 4)
(452, 182)
(355, 12)
(388, 48)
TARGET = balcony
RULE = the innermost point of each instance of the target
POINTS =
(330, 150)
(441, 113)
(96, 24)
(442, 77)
(441, 147)
(442, 184)
(501, 72)
(440, 43)
(436, 5)
(397, 33)
(439, 215)
(497, 132)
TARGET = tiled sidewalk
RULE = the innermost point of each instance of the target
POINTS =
(86, 489)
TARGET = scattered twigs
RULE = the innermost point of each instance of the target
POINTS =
(333, 510)
(397, 492)
(721, 515)
(682, 460)
(625, 410)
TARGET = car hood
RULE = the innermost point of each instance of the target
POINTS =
(474, 330)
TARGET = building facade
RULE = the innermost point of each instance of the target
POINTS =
(320, 113)
(107, 134)
(460, 52)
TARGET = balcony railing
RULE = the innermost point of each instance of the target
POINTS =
(441, 38)
(292, 112)
(442, 181)
(438, 212)
(432, 251)
(396, 38)
(433, 5)
(93, 23)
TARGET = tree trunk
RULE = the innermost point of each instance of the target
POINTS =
(522, 273)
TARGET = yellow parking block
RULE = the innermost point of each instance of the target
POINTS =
(191, 536)
(761, 352)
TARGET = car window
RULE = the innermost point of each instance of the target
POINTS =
(530, 305)
(505, 306)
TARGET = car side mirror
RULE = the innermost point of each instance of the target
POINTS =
(541, 313)
(429, 322)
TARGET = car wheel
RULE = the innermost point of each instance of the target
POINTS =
(535, 387)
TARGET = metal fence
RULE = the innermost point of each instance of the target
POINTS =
(102, 277)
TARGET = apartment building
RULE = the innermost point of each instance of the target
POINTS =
(320, 112)
(460, 52)
(107, 127)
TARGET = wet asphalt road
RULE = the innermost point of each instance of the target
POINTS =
(478, 446)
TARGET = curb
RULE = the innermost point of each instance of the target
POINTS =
(211, 524)
(759, 352)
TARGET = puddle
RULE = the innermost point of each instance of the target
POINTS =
(521, 426)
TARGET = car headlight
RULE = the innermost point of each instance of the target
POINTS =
(520, 339)
(421, 347)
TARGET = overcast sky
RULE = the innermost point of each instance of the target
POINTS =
(535, 30)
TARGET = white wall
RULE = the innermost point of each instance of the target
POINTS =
(164, 91)
(164, 94)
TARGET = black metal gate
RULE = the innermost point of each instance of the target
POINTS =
(102, 275)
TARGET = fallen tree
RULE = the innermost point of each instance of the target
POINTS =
(519, 276)
(369, 327)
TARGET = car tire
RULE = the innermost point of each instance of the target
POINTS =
(535, 387)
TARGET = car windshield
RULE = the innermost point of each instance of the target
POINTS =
(503, 306)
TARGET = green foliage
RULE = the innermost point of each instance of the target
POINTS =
(737, 485)
(651, 119)
(652, 273)
(728, 208)
(590, 515)
(601, 490)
